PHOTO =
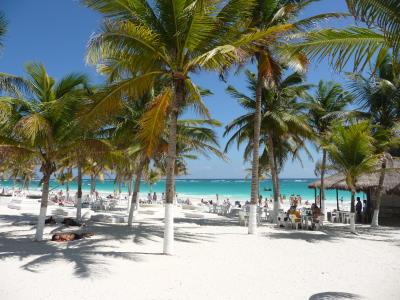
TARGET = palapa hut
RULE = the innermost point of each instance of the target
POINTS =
(368, 183)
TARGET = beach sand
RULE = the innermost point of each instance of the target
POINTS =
(214, 259)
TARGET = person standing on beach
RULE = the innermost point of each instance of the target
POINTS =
(358, 209)
(155, 197)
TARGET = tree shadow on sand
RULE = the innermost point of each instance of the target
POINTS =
(89, 256)
(333, 233)
(334, 296)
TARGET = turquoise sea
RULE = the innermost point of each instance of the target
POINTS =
(208, 188)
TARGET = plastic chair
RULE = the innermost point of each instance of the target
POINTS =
(295, 222)
(242, 218)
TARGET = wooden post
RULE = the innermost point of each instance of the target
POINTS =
(370, 207)
(315, 195)
(337, 199)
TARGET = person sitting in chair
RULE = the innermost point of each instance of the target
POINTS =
(316, 213)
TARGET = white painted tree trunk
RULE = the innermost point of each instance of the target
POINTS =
(40, 224)
(134, 206)
(352, 223)
(375, 218)
(79, 194)
(178, 99)
(322, 192)
(378, 197)
(253, 219)
(79, 208)
(133, 210)
(255, 164)
(169, 229)
(43, 207)
(323, 209)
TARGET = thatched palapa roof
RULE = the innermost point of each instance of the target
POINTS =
(391, 183)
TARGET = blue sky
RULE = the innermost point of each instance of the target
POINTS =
(56, 33)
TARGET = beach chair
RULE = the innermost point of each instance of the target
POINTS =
(295, 222)
(243, 218)
(335, 217)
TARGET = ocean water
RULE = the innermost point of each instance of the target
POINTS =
(234, 189)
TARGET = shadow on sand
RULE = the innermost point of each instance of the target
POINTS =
(89, 256)
(334, 296)
(333, 233)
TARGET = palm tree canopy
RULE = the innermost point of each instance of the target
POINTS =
(282, 116)
(361, 44)
(379, 95)
(326, 105)
(383, 14)
(352, 151)
(38, 121)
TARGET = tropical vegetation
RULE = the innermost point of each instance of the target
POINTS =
(135, 123)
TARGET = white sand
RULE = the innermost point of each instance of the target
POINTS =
(215, 259)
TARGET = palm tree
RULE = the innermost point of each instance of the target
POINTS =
(36, 122)
(381, 36)
(283, 124)
(279, 17)
(168, 40)
(324, 108)
(152, 177)
(352, 153)
(65, 176)
(379, 99)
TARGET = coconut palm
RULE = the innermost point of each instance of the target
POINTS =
(379, 99)
(324, 108)
(169, 40)
(359, 45)
(152, 177)
(282, 18)
(379, 94)
(65, 176)
(352, 153)
(36, 124)
(283, 124)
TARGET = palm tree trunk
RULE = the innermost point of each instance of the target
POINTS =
(274, 175)
(130, 184)
(134, 201)
(67, 190)
(378, 195)
(255, 159)
(322, 192)
(46, 168)
(168, 246)
(352, 212)
(13, 193)
(92, 184)
(79, 194)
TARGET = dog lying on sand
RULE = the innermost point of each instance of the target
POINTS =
(50, 220)
(65, 221)
(72, 222)
(70, 236)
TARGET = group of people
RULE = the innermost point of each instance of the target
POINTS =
(153, 198)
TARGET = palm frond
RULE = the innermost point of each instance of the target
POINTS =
(381, 13)
(153, 121)
(338, 46)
